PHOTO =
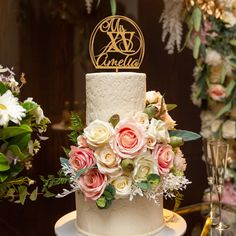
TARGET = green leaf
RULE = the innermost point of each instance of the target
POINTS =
(13, 131)
(48, 194)
(197, 18)
(108, 195)
(22, 140)
(113, 7)
(224, 110)
(110, 188)
(10, 194)
(151, 111)
(230, 87)
(196, 47)
(3, 88)
(171, 106)
(23, 193)
(114, 120)
(14, 170)
(34, 195)
(223, 74)
(17, 152)
(233, 42)
(144, 185)
(3, 176)
(29, 106)
(4, 164)
(186, 135)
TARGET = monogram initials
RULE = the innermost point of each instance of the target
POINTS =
(123, 44)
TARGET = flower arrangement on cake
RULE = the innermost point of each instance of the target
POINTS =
(212, 37)
(139, 155)
(22, 125)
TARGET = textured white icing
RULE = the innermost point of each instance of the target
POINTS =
(112, 93)
(107, 94)
(139, 217)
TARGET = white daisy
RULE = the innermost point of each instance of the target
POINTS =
(10, 110)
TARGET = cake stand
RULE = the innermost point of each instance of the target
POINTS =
(175, 225)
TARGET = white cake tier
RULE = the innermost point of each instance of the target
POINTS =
(112, 93)
(139, 217)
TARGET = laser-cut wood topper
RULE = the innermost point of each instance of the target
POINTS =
(117, 43)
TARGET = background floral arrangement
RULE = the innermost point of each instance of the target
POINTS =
(22, 125)
(123, 158)
(212, 37)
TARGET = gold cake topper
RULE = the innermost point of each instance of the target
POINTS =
(117, 43)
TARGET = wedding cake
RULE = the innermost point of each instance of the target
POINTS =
(122, 93)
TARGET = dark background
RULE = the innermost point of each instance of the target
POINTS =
(53, 43)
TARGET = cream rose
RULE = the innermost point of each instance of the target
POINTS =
(144, 165)
(81, 158)
(98, 133)
(151, 141)
(229, 129)
(217, 92)
(164, 156)
(142, 118)
(179, 161)
(92, 184)
(158, 129)
(213, 58)
(81, 141)
(152, 97)
(229, 18)
(215, 125)
(122, 185)
(107, 161)
(129, 140)
(168, 120)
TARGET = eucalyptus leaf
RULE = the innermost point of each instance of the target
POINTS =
(185, 134)
(114, 120)
(196, 47)
(197, 18)
(171, 106)
(80, 172)
(151, 111)
(144, 185)
(13, 131)
(64, 161)
(4, 164)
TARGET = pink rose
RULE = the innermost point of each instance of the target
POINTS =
(92, 184)
(217, 92)
(81, 158)
(129, 139)
(164, 155)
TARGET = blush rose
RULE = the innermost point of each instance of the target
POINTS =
(217, 92)
(81, 158)
(129, 139)
(164, 156)
(92, 184)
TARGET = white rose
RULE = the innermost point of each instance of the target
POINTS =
(215, 125)
(143, 166)
(98, 133)
(229, 19)
(158, 129)
(229, 129)
(122, 185)
(107, 161)
(142, 118)
(213, 58)
(153, 97)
